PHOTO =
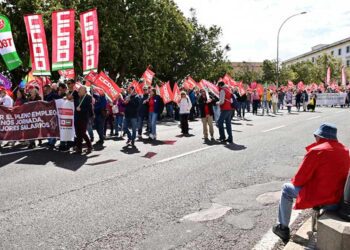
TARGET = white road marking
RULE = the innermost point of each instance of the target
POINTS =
(185, 154)
(22, 151)
(313, 118)
(272, 129)
(269, 240)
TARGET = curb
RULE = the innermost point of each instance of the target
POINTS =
(304, 238)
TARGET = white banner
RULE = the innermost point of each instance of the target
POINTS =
(65, 112)
(327, 99)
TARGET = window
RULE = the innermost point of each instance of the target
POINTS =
(347, 63)
(332, 53)
(347, 49)
(339, 52)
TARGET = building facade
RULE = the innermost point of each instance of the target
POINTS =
(255, 66)
(340, 49)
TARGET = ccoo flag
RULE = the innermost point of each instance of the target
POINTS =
(62, 40)
(37, 45)
(90, 40)
(7, 45)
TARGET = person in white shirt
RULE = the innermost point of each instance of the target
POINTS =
(5, 99)
(185, 106)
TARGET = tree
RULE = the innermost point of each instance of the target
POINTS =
(133, 35)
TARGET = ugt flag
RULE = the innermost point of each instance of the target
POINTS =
(37, 45)
(90, 40)
(62, 40)
(7, 45)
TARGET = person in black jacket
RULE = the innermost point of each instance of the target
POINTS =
(132, 103)
(49, 94)
(83, 113)
(242, 99)
(206, 112)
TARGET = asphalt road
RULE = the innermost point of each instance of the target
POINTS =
(188, 195)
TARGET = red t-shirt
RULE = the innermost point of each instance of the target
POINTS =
(151, 105)
(206, 110)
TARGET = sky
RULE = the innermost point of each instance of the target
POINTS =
(251, 26)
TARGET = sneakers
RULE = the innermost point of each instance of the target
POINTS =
(151, 136)
(282, 232)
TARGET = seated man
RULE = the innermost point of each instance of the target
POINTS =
(319, 181)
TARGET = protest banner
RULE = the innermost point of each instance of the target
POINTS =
(328, 99)
(166, 93)
(67, 74)
(7, 45)
(90, 40)
(63, 39)
(65, 113)
(148, 76)
(189, 83)
(39, 55)
(108, 85)
(176, 94)
(33, 120)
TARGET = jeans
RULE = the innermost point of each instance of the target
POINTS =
(265, 105)
(52, 141)
(242, 108)
(290, 192)
(216, 110)
(118, 123)
(247, 103)
(140, 121)
(152, 119)
(255, 107)
(100, 124)
(225, 116)
(133, 123)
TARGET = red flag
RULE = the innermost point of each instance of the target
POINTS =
(200, 85)
(90, 40)
(328, 77)
(260, 89)
(176, 94)
(241, 88)
(91, 77)
(37, 45)
(189, 83)
(137, 87)
(68, 73)
(301, 86)
(166, 93)
(111, 89)
(77, 86)
(228, 80)
(290, 84)
(253, 85)
(211, 87)
(63, 39)
(148, 76)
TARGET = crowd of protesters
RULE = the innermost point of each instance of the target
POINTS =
(131, 114)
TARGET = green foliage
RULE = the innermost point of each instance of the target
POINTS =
(305, 71)
(133, 35)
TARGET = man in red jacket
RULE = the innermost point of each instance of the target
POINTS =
(319, 181)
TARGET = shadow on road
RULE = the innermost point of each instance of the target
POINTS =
(41, 157)
(130, 150)
(235, 147)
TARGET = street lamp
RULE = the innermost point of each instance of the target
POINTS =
(278, 43)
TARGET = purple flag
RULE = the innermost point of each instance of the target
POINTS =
(6, 83)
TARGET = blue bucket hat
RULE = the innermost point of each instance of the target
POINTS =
(327, 131)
